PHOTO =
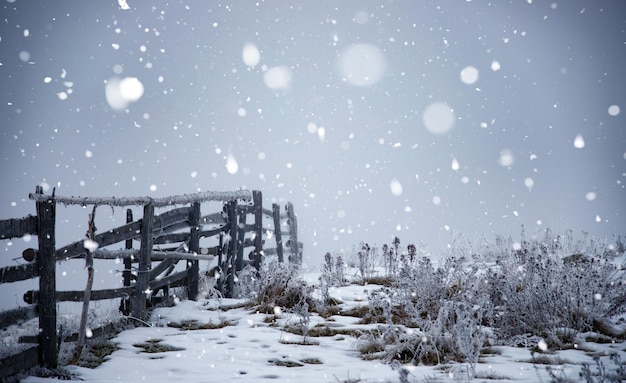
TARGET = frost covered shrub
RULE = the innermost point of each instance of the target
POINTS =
(280, 285)
(539, 290)
(550, 288)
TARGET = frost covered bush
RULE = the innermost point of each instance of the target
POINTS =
(542, 288)
(551, 288)
(333, 275)
(280, 285)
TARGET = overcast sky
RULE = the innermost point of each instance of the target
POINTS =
(421, 119)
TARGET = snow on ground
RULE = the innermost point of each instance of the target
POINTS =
(254, 349)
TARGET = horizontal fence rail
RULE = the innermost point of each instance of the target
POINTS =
(150, 271)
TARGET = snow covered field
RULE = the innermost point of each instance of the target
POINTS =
(255, 347)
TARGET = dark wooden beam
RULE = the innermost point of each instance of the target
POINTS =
(143, 269)
(47, 281)
(194, 247)
(33, 297)
(18, 227)
(19, 272)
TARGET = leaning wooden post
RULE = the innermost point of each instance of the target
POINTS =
(47, 305)
(277, 232)
(128, 265)
(293, 234)
(143, 270)
(257, 199)
(194, 246)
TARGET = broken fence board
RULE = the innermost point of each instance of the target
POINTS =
(19, 273)
(18, 227)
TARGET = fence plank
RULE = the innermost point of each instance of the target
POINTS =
(214, 219)
(19, 362)
(155, 255)
(293, 235)
(163, 223)
(33, 296)
(277, 232)
(184, 199)
(18, 227)
(161, 267)
(171, 238)
(18, 315)
(47, 281)
(143, 270)
(19, 272)
(169, 280)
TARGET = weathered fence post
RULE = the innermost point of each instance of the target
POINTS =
(194, 247)
(293, 234)
(220, 261)
(47, 281)
(229, 267)
(257, 199)
(128, 265)
(241, 235)
(143, 270)
(277, 232)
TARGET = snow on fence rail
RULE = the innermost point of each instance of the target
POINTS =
(178, 232)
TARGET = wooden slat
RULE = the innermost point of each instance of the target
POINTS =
(19, 272)
(171, 238)
(213, 219)
(32, 297)
(267, 212)
(162, 224)
(155, 255)
(17, 315)
(212, 232)
(19, 362)
(161, 267)
(18, 227)
(170, 279)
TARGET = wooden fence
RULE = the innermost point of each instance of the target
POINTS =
(238, 229)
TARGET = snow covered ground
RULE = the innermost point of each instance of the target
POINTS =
(254, 348)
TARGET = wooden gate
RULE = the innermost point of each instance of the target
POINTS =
(238, 228)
